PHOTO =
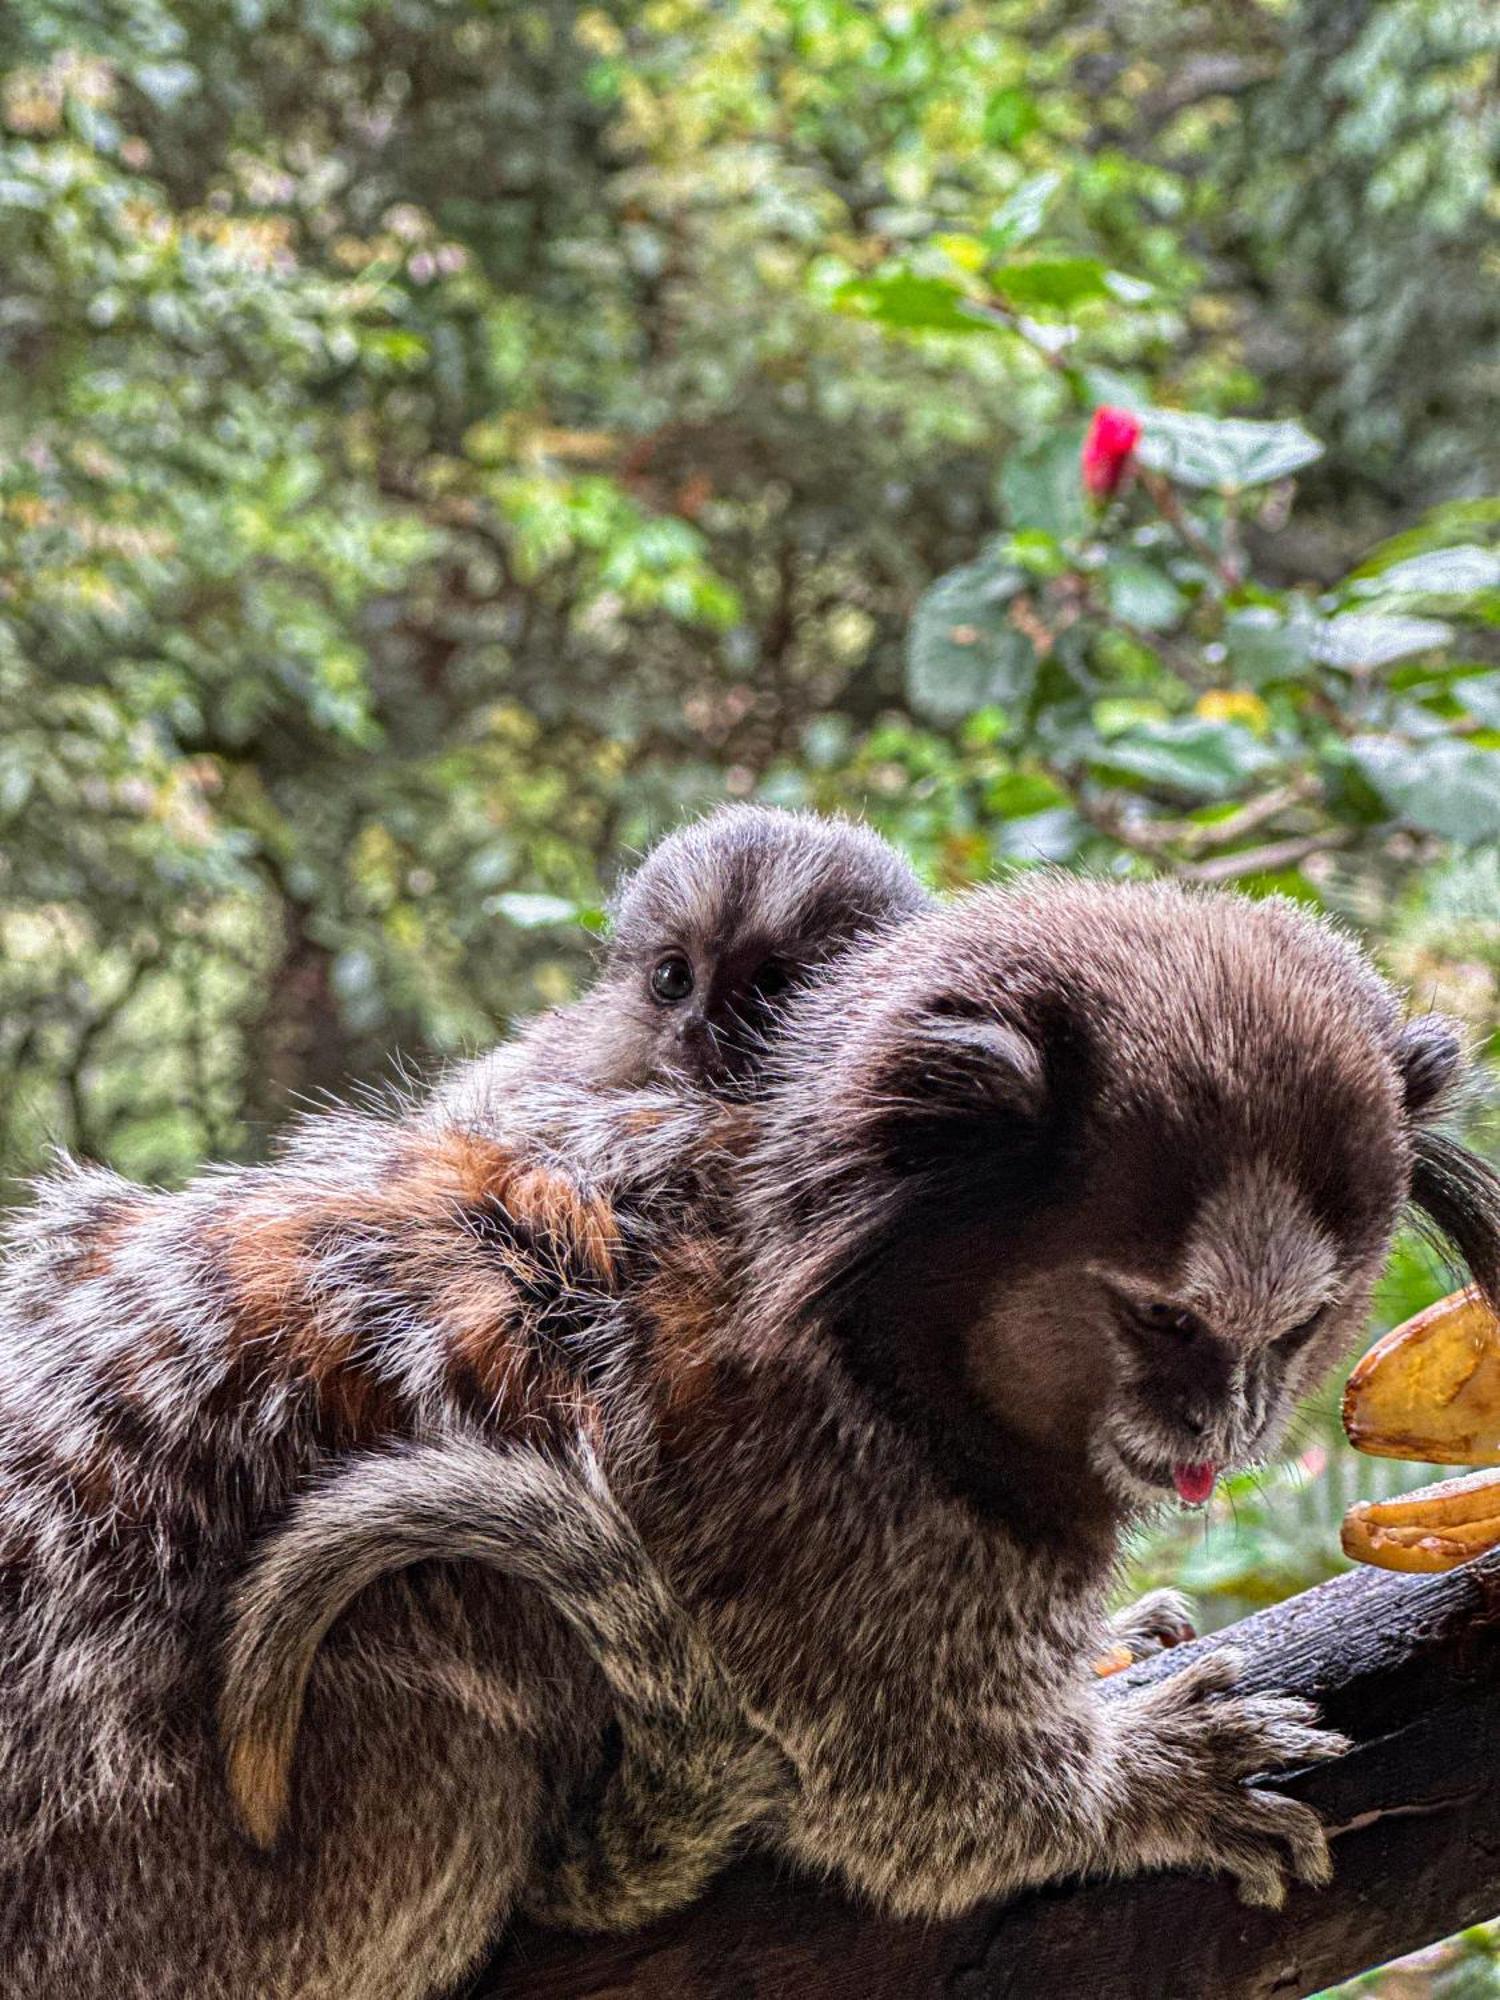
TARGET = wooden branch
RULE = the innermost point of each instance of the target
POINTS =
(1265, 860)
(1409, 1667)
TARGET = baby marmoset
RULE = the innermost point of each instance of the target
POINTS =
(178, 1368)
(721, 925)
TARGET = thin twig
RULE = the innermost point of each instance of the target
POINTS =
(1267, 860)
(1167, 504)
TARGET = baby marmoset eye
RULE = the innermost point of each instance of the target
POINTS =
(716, 930)
(672, 978)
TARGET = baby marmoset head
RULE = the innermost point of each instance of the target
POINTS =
(1086, 1183)
(723, 921)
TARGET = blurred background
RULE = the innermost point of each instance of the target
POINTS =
(442, 443)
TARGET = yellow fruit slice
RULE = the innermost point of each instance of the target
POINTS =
(1435, 1528)
(1430, 1390)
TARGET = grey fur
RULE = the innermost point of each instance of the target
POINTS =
(692, 1775)
(758, 901)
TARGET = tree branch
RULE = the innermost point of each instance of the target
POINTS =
(1407, 1666)
(1267, 860)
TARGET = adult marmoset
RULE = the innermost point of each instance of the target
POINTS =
(1055, 1193)
(1061, 1198)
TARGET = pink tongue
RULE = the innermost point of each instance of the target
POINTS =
(1194, 1483)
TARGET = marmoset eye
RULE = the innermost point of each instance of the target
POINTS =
(1298, 1336)
(672, 979)
(1174, 1321)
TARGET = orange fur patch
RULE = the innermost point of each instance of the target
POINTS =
(487, 1365)
(682, 1302)
(419, 1217)
(97, 1246)
(280, 1328)
(549, 1204)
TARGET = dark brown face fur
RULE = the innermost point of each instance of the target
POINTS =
(719, 927)
(1092, 1181)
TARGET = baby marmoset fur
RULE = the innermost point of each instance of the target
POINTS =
(174, 1442)
(720, 925)
(1054, 1191)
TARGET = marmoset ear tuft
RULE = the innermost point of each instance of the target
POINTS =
(1430, 1057)
(974, 1063)
(957, 1083)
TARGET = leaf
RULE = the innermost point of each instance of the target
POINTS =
(1055, 834)
(1040, 489)
(1060, 282)
(1441, 785)
(1202, 759)
(1009, 117)
(1021, 215)
(1263, 644)
(1455, 572)
(165, 83)
(963, 652)
(1223, 454)
(1141, 595)
(1479, 694)
(1444, 526)
(532, 912)
(910, 303)
(1368, 639)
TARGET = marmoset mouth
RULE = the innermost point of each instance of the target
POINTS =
(1191, 1480)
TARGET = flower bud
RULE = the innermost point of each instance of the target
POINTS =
(1108, 450)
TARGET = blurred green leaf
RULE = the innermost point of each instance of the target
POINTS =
(1039, 487)
(1140, 594)
(1205, 760)
(1263, 644)
(1019, 218)
(963, 651)
(1060, 283)
(1223, 454)
(1448, 572)
(1441, 786)
(909, 303)
(533, 912)
(1361, 639)
(1009, 117)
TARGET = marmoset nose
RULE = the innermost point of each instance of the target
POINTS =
(1189, 1416)
(693, 1033)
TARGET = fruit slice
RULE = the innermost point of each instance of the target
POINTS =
(1430, 1390)
(1435, 1528)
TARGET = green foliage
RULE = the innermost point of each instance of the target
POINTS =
(439, 444)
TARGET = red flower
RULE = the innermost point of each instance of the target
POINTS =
(1108, 450)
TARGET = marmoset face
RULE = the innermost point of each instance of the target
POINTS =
(1112, 1171)
(723, 921)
